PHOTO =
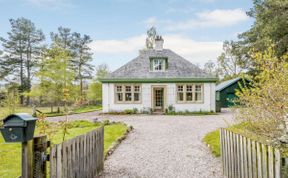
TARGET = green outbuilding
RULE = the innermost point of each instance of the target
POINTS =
(226, 93)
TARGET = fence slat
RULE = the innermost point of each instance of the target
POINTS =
(271, 161)
(250, 169)
(53, 161)
(245, 157)
(59, 161)
(277, 163)
(254, 160)
(227, 152)
(264, 161)
(259, 160)
(242, 156)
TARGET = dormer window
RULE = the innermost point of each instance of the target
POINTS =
(159, 64)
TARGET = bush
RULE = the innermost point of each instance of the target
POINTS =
(266, 102)
(129, 111)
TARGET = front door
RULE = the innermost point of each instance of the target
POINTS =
(158, 99)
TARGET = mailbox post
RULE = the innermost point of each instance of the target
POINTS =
(20, 128)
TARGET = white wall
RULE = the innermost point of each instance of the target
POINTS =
(109, 104)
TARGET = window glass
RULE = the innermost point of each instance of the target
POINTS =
(158, 64)
(136, 88)
(119, 96)
(198, 92)
(119, 88)
(180, 96)
(136, 97)
(128, 97)
(128, 88)
(180, 88)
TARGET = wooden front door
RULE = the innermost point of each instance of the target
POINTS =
(158, 99)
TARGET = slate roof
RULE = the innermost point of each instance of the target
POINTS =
(139, 68)
(226, 84)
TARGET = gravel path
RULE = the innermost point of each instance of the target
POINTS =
(166, 147)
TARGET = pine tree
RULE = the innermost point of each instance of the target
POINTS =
(81, 59)
(22, 49)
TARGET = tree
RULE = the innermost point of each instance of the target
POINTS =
(81, 58)
(22, 49)
(265, 104)
(62, 39)
(230, 61)
(102, 71)
(94, 91)
(270, 27)
(56, 76)
(210, 67)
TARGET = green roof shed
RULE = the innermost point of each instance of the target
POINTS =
(226, 92)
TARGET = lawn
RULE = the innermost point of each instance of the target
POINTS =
(10, 154)
(47, 110)
(212, 139)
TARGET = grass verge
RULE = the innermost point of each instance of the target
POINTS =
(47, 110)
(10, 153)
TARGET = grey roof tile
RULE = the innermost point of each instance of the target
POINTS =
(139, 68)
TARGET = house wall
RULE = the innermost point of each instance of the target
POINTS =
(108, 100)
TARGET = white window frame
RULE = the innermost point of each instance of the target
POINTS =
(185, 91)
(124, 92)
(156, 62)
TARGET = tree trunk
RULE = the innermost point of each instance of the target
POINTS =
(28, 63)
(21, 78)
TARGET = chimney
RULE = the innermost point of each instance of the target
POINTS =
(159, 43)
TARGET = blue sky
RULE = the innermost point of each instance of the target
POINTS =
(194, 29)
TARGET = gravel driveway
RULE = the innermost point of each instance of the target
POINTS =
(166, 147)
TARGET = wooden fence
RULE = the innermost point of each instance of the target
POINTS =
(80, 157)
(246, 158)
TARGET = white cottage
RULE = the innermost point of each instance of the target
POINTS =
(156, 79)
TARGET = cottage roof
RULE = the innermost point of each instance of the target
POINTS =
(178, 68)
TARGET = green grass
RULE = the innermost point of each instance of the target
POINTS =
(212, 139)
(89, 108)
(10, 153)
(47, 110)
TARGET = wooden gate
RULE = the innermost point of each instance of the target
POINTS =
(80, 157)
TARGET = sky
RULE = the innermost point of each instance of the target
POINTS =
(195, 29)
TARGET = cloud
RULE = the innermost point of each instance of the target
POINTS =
(215, 18)
(52, 4)
(195, 51)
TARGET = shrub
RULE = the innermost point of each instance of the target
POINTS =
(128, 111)
(135, 110)
(266, 103)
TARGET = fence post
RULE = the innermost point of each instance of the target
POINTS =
(40, 145)
(27, 159)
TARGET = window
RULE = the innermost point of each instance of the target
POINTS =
(180, 92)
(198, 93)
(127, 93)
(159, 64)
(136, 93)
(119, 94)
(190, 93)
